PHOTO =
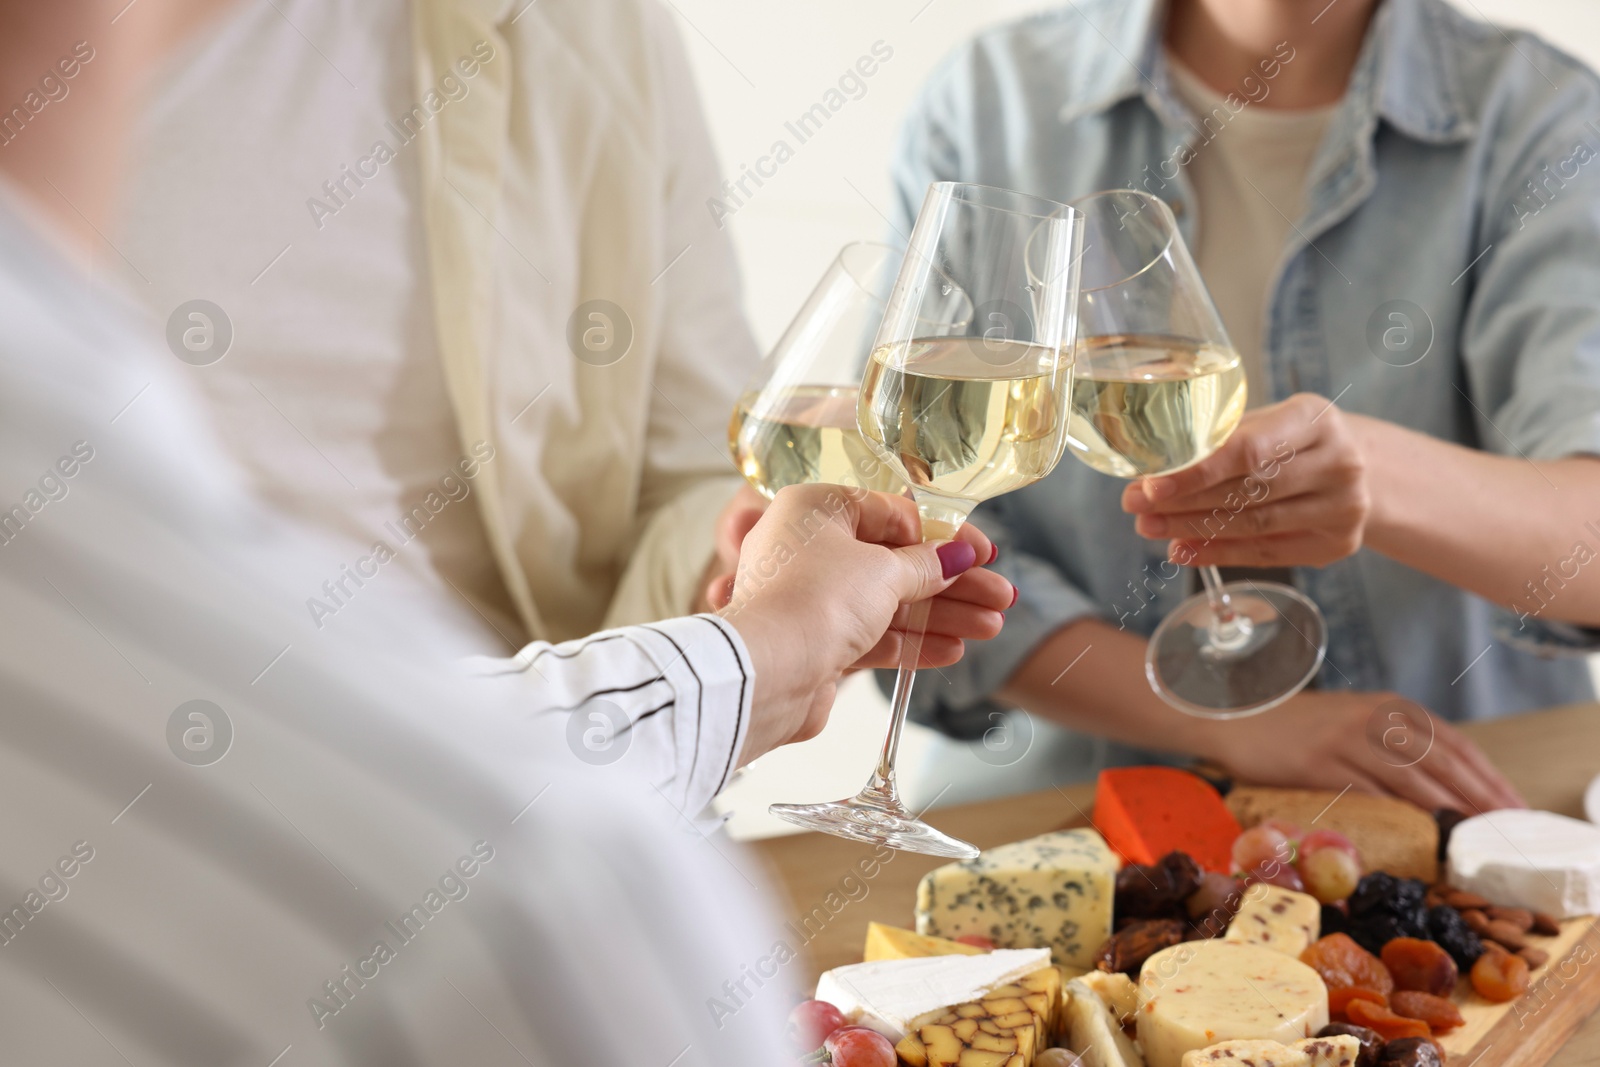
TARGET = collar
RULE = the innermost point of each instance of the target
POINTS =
(1408, 71)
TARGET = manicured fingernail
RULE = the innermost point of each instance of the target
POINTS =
(1014, 592)
(1158, 488)
(994, 553)
(956, 557)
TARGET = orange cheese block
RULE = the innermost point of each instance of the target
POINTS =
(1146, 812)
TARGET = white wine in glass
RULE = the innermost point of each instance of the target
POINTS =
(1147, 405)
(795, 423)
(1157, 387)
(807, 434)
(964, 406)
(966, 418)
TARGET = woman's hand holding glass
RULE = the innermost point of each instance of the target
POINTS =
(825, 578)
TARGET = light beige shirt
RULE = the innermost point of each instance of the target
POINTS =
(412, 214)
(1250, 179)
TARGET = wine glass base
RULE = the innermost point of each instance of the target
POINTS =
(876, 821)
(1191, 669)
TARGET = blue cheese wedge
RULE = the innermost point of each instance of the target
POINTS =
(890, 996)
(1276, 918)
(1199, 993)
(1052, 891)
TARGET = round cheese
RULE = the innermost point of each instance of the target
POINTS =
(1529, 859)
(1193, 995)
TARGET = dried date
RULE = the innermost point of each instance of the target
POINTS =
(1136, 942)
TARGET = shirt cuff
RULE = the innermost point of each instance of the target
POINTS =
(693, 738)
(958, 700)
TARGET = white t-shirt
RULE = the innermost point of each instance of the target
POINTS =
(1250, 179)
(332, 397)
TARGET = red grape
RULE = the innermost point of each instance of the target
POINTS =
(811, 1022)
(1259, 846)
(856, 1046)
(1320, 839)
(1330, 874)
(976, 941)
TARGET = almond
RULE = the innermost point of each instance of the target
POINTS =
(1545, 925)
(1461, 900)
(1507, 934)
(1535, 957)
(1521, 918)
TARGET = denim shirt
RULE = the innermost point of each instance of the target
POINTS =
(1445, 276)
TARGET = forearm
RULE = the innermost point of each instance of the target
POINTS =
(1502, 527)
(1089, 676)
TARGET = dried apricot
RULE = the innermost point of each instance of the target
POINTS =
(1365, 1013)
(1342, 964)
(1500, 976)
(1439, 1013)
(1339, 1000)
(1420, 965)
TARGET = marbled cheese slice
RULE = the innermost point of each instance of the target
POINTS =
(1276, 918)
(1006, 1028)
(1194, 995)
(1055, 890)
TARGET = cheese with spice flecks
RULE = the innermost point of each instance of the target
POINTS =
(1053, 891)
(1276, 918)
(1199, 993)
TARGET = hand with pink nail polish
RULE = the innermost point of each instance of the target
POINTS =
(824, 584)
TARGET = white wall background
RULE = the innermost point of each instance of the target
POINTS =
(760, 64)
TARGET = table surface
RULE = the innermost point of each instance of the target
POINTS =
(1550, 755)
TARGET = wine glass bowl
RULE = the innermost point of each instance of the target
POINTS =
(966, 397)
(1158, 387)
(795, 422)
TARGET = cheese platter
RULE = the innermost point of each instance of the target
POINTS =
(1172, 927)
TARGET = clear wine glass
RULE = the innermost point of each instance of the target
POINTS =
(964, 407)
(1158, 386)
(795, 422)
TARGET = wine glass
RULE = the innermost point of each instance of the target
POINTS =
(964, 408)
(1158, 386)
(795, 422)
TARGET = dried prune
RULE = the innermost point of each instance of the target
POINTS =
(1136, 942)
(1410, 1052)
(1420, 965)
(1371, 1041)
(1450, 930)
(1382, 891)
(1440, 1013)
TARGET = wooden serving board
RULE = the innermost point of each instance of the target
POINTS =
(1529, 1031)
(1525, 1032)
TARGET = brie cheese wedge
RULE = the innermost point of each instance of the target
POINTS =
(890, 995)
(1529, 859)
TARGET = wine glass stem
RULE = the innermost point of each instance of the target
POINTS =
(1229, 629)
(910, 651)
(882, 787)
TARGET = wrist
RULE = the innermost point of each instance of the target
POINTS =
(1386, 456)
(782, 687)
